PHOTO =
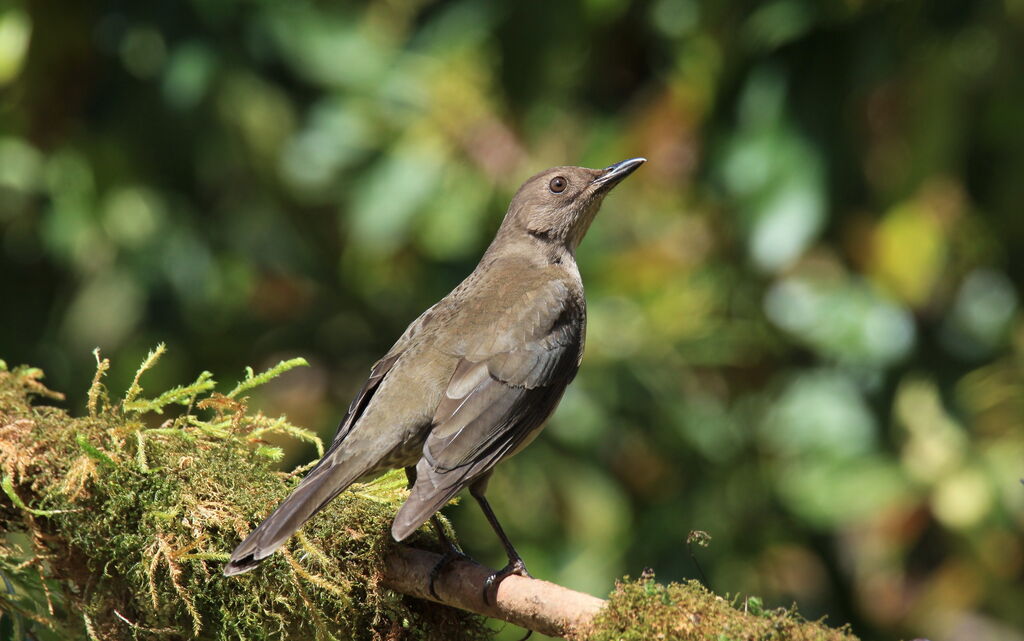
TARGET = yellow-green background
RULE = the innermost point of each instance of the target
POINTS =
(805, 334)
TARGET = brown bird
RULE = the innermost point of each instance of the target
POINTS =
(472, 380)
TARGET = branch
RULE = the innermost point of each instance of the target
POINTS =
(530, 603)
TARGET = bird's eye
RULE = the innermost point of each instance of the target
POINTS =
(557, 184)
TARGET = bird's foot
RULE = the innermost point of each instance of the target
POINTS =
(515, 566)
(451, 554)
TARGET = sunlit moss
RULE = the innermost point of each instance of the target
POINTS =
(642, 610)
(116, 527)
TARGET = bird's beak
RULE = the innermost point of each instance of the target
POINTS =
(618, 171)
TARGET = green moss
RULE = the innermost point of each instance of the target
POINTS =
(113, 526)
(643, 610)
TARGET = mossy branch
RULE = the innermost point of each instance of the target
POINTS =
(112, 529)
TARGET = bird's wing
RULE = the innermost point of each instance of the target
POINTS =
(379, 370)
(327, 479)
(504, 387)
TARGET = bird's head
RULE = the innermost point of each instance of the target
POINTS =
(558, 205)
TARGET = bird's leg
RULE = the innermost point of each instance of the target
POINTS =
(515, 562)
(451, 552)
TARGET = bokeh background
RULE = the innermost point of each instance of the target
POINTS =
(805, 334)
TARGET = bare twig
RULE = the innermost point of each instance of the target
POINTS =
(533, 604)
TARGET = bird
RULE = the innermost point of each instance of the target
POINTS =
(472, 380)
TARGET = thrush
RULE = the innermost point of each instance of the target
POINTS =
(472, 380)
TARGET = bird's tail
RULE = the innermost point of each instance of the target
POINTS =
(430, 493)
(321, 485)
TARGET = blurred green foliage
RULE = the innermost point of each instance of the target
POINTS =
(805, 328)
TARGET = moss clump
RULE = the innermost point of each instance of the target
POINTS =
(115, 526)
(644, 610)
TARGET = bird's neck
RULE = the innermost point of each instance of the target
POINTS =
(534, 249)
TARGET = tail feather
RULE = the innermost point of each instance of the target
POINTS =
(316, 490)
(430, 493)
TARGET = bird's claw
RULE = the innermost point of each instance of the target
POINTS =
(515, 566)
(451, 554)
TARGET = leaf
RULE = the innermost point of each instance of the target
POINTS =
(281, 426)
(94, 452)
(96, 390)
(135, 389)
(182, 395)
(269, 451)
(252, 381)
(8, 487)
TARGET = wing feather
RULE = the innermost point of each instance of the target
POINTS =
(497, 398)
